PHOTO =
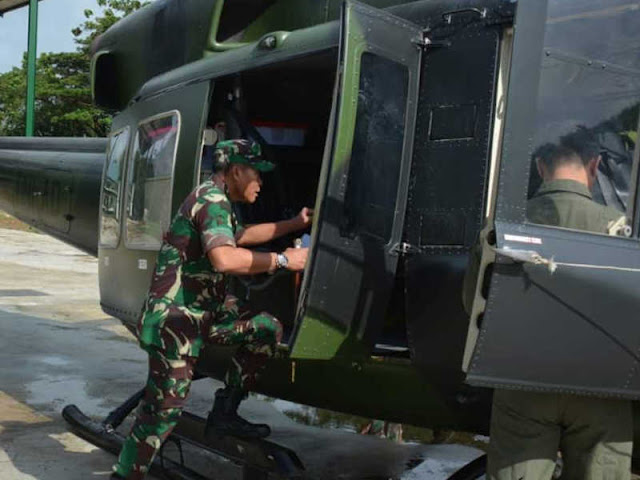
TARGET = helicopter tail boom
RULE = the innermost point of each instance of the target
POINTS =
(53, 184)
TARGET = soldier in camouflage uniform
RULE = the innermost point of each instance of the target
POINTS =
(188, 308)
(528, 428)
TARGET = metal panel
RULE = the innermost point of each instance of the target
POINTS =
(446, 194)
(56, 189)
(353, 265)
(570, 331)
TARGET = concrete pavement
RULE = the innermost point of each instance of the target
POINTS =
(57, 347)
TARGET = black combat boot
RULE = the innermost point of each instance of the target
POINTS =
(224, 419)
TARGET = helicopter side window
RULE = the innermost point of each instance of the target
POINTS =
(111, 183)
(149, 181)
(374, 169)
(588, 105)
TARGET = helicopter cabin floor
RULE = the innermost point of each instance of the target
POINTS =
(57, 347)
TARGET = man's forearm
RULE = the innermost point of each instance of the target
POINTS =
(240, 261)
(265, 232)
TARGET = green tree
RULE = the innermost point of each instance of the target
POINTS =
(12, 97)
(94, 25)
(63, 85)
(63, 99)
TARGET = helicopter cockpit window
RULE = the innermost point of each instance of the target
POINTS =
(110, 206)
(587, 120)
(149, 181)
(374, 167)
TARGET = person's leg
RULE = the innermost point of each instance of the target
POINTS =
(257, 337)
(597, 441)
(165, 393)
(256, 334)
(524, 437)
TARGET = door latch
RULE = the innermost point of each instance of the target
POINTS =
(425, 43)
(404, 248)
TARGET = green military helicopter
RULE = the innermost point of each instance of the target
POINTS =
(410, 126)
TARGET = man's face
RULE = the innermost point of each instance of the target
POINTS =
(247, 183)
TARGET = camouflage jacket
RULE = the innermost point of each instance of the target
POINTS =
(184, 279)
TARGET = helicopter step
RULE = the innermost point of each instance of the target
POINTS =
(259, 459)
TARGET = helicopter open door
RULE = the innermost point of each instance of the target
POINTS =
(362, 192)
(555, 307)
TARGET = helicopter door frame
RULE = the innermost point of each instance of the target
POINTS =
(531, 327)
(353, 261)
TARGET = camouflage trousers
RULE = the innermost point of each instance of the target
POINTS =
(170, 377)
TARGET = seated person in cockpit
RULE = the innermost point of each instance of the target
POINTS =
(569, 171)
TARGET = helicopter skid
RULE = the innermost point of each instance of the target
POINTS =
(258, 458)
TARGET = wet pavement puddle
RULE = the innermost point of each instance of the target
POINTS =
(55, 392)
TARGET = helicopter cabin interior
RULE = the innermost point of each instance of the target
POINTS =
(285, 107)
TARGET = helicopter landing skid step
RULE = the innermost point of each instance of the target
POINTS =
(472, 470)
(258, 458)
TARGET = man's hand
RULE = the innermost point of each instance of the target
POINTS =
(304, 218)
(265, 232)
(297, 258)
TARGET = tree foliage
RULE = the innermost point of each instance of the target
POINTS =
(94, 25)
(63, 85)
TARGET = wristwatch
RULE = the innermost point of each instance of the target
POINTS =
(281, 261)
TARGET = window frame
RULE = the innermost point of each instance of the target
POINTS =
(127, 242)
(353, 231)
(632, 211)
(123, 178)
(510, 198)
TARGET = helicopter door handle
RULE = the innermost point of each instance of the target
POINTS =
(426, 43)
(448, 16)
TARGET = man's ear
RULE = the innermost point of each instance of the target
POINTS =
(543, 170)
(540, 168)
(593, 165)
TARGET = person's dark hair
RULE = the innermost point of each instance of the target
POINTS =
(583, 142)
(580, 145)
(545, 153)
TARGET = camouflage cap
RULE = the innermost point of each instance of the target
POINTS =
(245, 152)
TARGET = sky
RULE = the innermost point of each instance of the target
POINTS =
(56, 19)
